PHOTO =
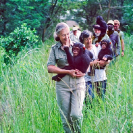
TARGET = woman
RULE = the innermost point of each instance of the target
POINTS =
(99, 79)
(70, 91)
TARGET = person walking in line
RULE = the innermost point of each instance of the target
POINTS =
(121, 34)
(100, 29)
(99, 79)
(74, 35)
(114, 37)
(70, 91)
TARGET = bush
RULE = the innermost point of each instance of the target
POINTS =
(2, 52)
(17, 40)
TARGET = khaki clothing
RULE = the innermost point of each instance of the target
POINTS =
(58, 56)
(121, 35)
(70, 92)
(75, 38)
(70, 97)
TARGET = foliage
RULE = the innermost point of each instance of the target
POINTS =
(43, 15)
(29, 97)
(85, 12)
(17, 40)
(39, 14)
(2, 52)
(128, 17)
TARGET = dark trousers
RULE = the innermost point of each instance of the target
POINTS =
(100, 89)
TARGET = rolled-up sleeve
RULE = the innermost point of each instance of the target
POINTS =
(122, 35)
(51, 59)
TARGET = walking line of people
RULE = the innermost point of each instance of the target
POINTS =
(71, 89)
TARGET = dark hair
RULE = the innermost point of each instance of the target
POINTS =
(79, 45)
(84, 34)
(101, 25)
(108, 43)
(57, 38)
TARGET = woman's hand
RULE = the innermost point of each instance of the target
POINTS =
(94, 63)
(72, 73)
(102, 63)
(76, 73)
(79, 73)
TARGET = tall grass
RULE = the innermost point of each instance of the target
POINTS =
(28, 100)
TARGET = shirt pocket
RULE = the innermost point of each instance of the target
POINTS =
(62, 60)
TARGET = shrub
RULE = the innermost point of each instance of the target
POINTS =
(17, 40)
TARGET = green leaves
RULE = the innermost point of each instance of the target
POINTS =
(18, 39)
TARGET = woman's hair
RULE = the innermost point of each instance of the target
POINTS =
(59, 27)
(84, 34)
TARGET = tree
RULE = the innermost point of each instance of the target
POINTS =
(39, 14)
(85, 12)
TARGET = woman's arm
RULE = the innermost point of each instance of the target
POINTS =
(103, 63)
(100, 63)
(54, 69)
(93, 63)
(73, 73)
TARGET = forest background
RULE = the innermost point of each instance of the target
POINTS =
(27, 94)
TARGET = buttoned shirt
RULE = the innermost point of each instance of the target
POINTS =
(58, 55)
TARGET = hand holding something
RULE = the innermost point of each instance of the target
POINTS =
(102, 63)
(79, 73)
(72, 73)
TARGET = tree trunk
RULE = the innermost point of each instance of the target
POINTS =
(108, 11)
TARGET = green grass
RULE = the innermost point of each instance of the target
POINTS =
(28, 98)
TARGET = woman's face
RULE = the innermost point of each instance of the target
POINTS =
(88, 41)
(64, 35)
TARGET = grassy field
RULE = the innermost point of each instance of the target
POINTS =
(28, 99)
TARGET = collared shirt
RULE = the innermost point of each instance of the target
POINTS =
(58, 56)
(121, 34)
(114, 36)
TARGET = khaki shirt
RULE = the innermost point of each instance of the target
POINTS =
(59, 57)
(121, 34)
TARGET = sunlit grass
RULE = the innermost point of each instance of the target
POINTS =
(28, 97)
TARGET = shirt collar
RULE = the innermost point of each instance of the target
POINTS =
(59, 44)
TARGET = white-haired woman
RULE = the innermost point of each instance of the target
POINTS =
(70, 91)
